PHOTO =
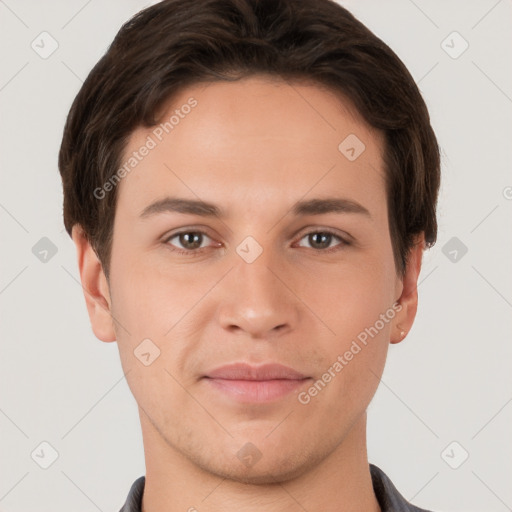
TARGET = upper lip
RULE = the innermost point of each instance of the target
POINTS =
(244, 371)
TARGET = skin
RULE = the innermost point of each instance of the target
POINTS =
(253, 147)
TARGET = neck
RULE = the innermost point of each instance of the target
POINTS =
(341, 482)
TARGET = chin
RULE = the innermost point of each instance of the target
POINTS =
(271, 469)
(264, 475)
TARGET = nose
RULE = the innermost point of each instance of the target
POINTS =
(258, 299)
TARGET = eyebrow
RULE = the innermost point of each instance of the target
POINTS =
(205, 209)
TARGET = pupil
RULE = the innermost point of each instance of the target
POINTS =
(191, 240)
(325, 239)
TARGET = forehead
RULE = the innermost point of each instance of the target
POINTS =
(260, 137)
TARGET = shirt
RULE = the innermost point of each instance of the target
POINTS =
(390, 500)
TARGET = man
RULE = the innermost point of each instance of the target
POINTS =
(250, 186)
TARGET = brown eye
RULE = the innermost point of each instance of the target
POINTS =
(322, 240)
(187, 241)
(190, 240)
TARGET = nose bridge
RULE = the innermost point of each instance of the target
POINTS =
(257, 300)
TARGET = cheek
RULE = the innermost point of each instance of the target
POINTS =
(350, 298)
(357, 305)
(151, 299)
(352, 361)
(149, 304)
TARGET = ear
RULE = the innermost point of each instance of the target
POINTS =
(408, 299)
(95, 287)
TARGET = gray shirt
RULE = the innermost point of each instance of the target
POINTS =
(390, 500)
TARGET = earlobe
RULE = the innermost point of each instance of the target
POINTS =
(408, 299)
(95, 287)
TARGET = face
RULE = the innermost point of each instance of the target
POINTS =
(290, 263)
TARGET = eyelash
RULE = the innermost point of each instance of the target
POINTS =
(195, 252)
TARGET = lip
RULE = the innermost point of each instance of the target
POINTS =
(257, 384)
(244, 371)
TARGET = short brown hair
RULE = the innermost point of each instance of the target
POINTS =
(176, 43)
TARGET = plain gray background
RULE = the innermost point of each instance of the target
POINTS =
(448, 382)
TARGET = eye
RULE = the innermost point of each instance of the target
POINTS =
(321, 240)
(190, 241)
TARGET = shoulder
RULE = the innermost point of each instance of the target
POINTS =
(133, 502)
(390, 500)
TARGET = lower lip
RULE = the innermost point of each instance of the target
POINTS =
(256, 390)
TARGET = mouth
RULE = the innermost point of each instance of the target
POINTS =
(255, 384)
